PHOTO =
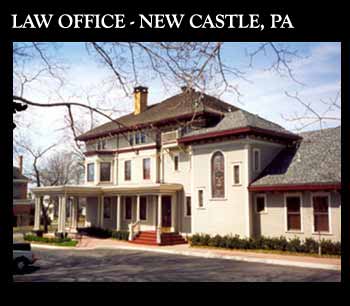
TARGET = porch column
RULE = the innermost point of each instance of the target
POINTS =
(118, 213)
(37, 213)
(101, 201)
(61, 213)
(74, 215)
(159, 223)
(137, 208)
(173, 212)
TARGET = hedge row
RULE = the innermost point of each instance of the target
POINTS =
(30, 237)
(309, 245)
(105, 233)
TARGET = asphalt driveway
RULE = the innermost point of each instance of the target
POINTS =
(136, 266)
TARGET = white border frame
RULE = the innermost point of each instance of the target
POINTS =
(147, 207)
(87, 171)
(239, 164)
(124, 213)
(177, 154)
(197, 198)
(256, 169)
(328, 195)
(110, 204)
(211, 174)
(264, 195)
(293, 194)
(185, 206)
(150, 168)
(124, 161)
(110, 172)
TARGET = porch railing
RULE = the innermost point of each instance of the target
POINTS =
(134, 229)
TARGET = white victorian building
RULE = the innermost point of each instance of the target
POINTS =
(195, 164)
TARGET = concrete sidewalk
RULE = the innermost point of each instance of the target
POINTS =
(184, 249)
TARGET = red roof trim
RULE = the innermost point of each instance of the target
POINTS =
(296, 187)
(111, 152)
(237, 131)
(143, 125)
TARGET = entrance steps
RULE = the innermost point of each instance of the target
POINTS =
(150, 238)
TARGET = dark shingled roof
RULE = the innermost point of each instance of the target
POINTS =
(185, 103)
(17, 174)
(317, 160)
(239, 118)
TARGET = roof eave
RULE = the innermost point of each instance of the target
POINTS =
(295, 187)
(242, 130)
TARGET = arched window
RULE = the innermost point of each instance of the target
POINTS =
(218, 175)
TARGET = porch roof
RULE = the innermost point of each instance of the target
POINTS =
(83, 190)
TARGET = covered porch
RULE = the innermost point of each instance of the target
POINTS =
(136, 209)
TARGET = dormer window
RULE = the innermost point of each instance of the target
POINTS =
(131, 139)
(101, 144)
(137, 138)
(143, 137)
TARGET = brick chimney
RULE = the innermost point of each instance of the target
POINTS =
(20, 164)
(140, 99)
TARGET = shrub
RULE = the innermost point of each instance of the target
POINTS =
(120, 235)
(215, 241)
(267, 243)
(330, 248)
(294, 245)
(61, 241)
(311, 245)
(97, 232)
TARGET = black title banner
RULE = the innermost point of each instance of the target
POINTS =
(152, 21)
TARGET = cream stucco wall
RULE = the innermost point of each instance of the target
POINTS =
(273, 221)
(230, 214)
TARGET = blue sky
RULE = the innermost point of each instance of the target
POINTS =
(318, 69)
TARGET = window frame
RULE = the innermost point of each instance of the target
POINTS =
(300, 196)
(146, 212)
(110, 208)
(255, 168)
(137, 138)
(131, 139)
(125, 210)
(223, 198)
(198, 191)
(235, 164)
(322, 194)
(177, 164)
(258, 195)
(110, 171)
(93, 172)
(125, 177)
(143, 169)
(186, 215)
(143, 137)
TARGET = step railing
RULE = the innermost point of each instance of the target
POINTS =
(134, 229)
(159, 234)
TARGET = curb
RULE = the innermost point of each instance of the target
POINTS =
(280, 262)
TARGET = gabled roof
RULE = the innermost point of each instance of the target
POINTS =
(17, 174)
(181, 105)
(316, 160)
(239, 118)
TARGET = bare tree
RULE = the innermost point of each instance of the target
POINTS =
(35, 174)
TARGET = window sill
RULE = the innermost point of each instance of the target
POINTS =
(237, 185)
(322, 233)
(294, 232)
(218, 199)
(261, 212)
(188, 217)
(201, 208)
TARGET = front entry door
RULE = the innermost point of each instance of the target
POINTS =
(166, 211)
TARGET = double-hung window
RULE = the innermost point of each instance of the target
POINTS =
(321, 215)
(293, 205)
